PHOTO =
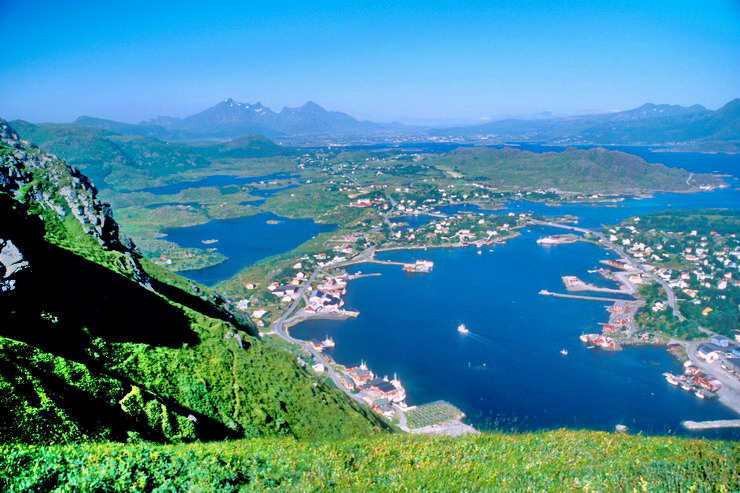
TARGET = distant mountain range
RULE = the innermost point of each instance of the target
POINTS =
(650, 123)
(231, 119)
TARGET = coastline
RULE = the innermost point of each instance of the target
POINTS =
(729, 393)
(449, 428)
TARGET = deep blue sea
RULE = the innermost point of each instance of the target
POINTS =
(508, 373)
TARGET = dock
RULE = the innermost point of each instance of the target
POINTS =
(711, 425)
(582, 297)
(352, 277)
(384, 262)
(572, 283)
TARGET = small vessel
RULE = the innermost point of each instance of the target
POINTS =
(209, 242)
(700, 394)
(564, 352)
(479, 252)
(462, 329)
(670, 378)
(686, 387)
(590, 347)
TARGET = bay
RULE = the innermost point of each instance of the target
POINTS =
(244, 241)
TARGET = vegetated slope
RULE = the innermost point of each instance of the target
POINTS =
(550, 461)
(243, 147)
(109, 158)
(98, 344)
(144, 129)
(703, 221)
(576, 170)
(133, 161)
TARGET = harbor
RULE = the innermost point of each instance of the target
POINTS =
(491, 364)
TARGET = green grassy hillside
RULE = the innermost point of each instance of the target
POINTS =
(98, 344)
(551, 461)
(575, 170)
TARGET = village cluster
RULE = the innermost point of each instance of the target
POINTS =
(703, 268)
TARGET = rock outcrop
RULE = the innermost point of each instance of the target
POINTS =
(11, 263)
(29, 173)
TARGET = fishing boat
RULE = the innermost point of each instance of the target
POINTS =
(670, 378)
(462, 329)
(564, 352)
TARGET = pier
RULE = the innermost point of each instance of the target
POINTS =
(711, 425)
(582, 297)
(352, 277)
(572, 283)
(384, 262)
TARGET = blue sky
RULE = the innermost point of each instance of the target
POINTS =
(376, 59)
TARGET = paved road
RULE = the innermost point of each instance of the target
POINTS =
(279, 330)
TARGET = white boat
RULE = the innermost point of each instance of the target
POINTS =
(564, 352)
(670, 378)
(700, 394)
(686, 387)
(462, 329)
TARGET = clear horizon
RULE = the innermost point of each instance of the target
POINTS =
(407, 61)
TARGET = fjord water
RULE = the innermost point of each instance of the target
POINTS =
(508, 372)
(244, 241)
(214, 181)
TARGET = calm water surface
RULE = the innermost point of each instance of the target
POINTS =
(214, 181)
(508, 373)
(244, 241)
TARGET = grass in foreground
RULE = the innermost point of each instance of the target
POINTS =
(551, 461)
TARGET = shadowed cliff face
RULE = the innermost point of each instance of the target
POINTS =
(75, 293)
(72, 216)
(95, 347)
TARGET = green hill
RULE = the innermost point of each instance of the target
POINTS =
(109, 158)
(574, 170)
(551, 461)
(96, 343)
(113, 155)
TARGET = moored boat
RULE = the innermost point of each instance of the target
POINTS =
(670, 378)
